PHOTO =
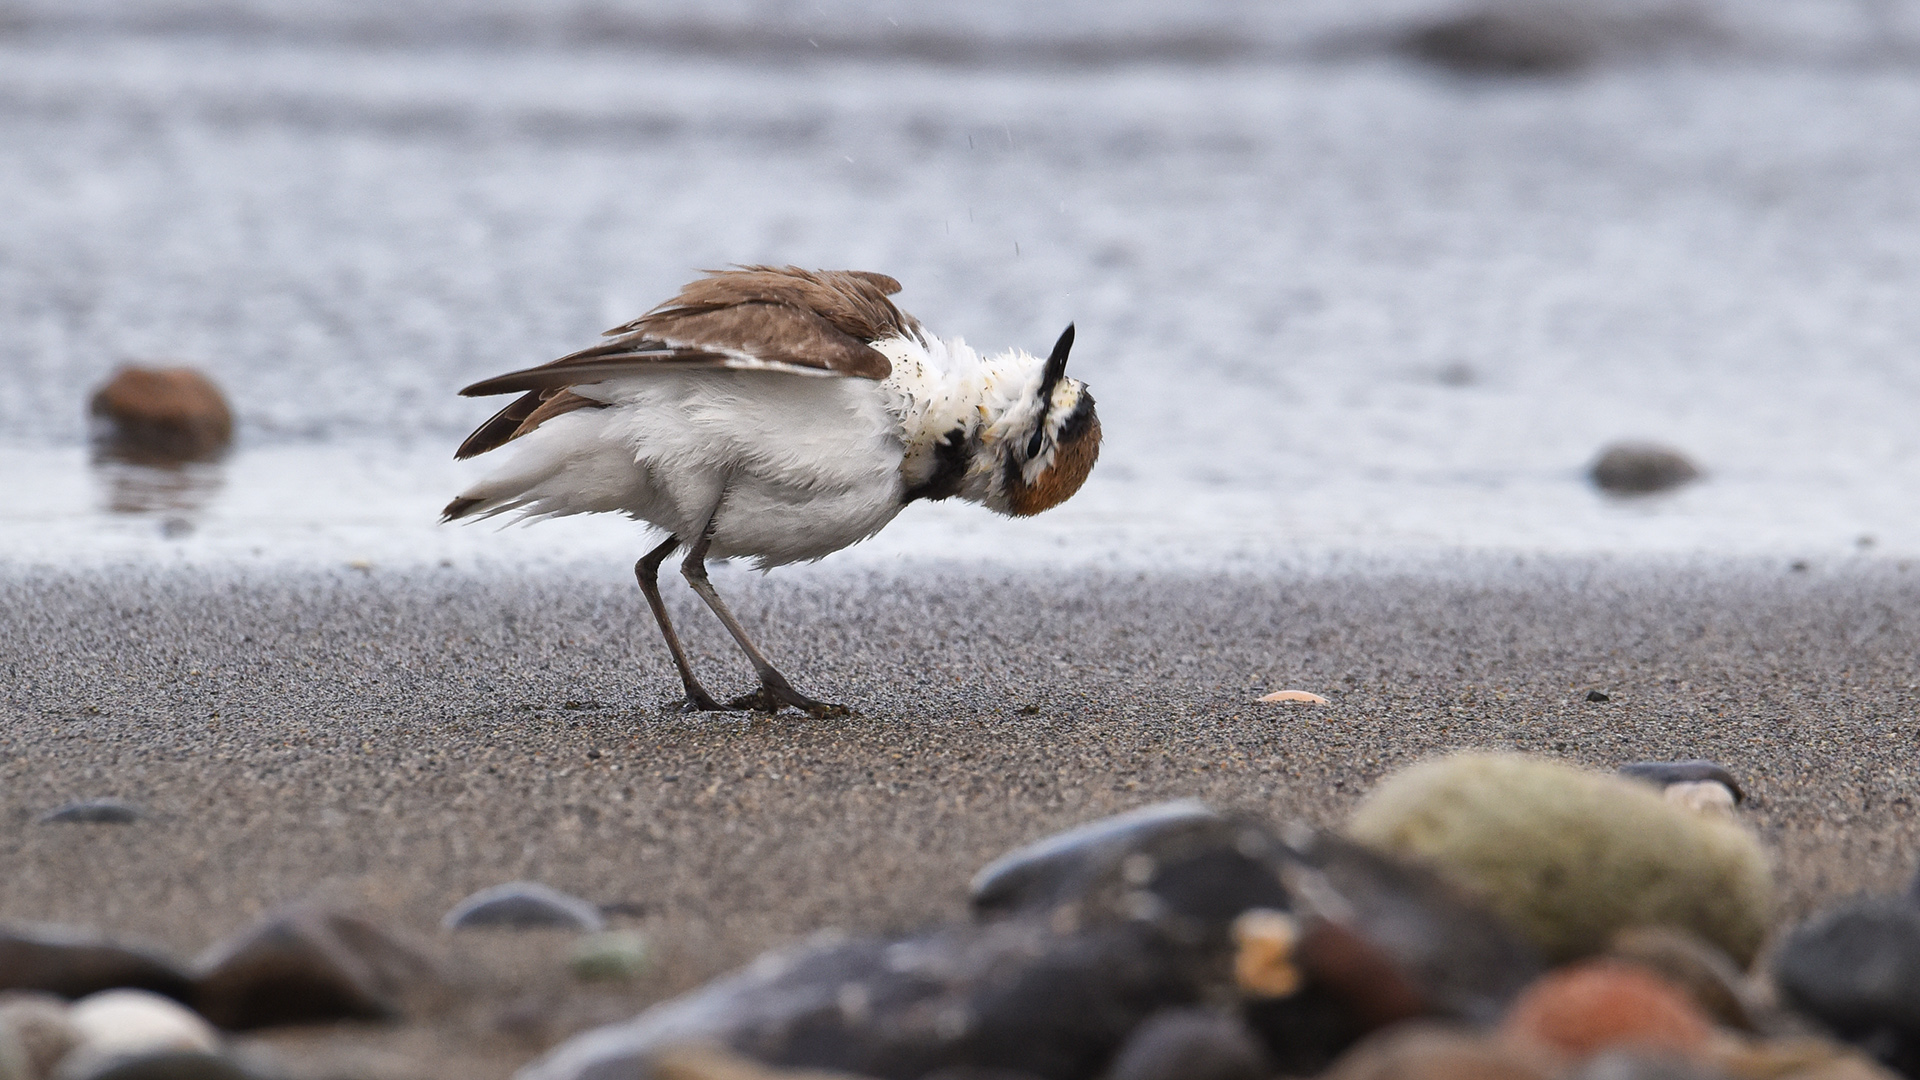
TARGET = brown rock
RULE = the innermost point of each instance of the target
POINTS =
(309, 964)
(161, 416)
(1708, 975)
(1640, 469)
(1430, 1052)
(1604, 1004)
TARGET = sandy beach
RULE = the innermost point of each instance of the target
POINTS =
(397, 740)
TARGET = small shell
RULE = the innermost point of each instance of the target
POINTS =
(1300, 697)
(1263, 962)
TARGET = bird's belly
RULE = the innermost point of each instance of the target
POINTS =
(796, 467)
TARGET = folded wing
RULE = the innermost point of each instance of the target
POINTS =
(818, 323)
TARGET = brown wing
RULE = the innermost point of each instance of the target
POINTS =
(820, 323)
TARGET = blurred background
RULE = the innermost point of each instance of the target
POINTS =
(1352, 277)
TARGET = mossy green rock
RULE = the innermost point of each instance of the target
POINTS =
(1571, 857)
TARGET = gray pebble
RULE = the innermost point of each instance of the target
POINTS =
(523, 905)
(1665, 773)
(94, 812)
(162, 1065)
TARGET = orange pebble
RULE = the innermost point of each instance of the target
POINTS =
(1589, 1007)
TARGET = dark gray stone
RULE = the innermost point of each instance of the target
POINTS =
(1641, 1065)
(1010, 995)
(309, 964)
(1191, 1044)
(94, 812)
(164, 1065)
(75, 963)
(1856, 967)
(1067, 866)
(1913, 889)
(523, 905)
(1640, 469)
(1504, 41)
(1663, 773)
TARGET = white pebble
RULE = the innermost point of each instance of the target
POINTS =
(119, 1023)
(1702, 797)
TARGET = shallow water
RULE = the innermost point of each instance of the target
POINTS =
(1329, 301)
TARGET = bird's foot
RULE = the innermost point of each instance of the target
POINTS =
(698, 700)
(770, 699)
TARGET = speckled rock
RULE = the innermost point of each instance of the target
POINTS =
(74, 963)
(520, 905)
(1607, 1004)
(161, 416)
(1857, 968)
(1430, 1052)
(308, 964)
(1572, 857)
(1191, 1044)
(35, 1033)
(1641, 469)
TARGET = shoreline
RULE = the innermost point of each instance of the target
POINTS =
(399, 739)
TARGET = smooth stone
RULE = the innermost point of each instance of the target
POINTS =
(1011, 994)
(1709, 976)
(94, 812)
(523, 905)
(159, 1065)
(161, 416)
(309, 964)
(1856, 967)
(116, 1028)
(1640, 469)
(1505, 40)
(695, 1062)
(1427, 1051)
(1589, 1007)
(1702, 797)
(1570, 857)
(1913, 890)
(1642, 1065)
(1294, 697)
(1067, 866)
(1798, 1057)
(1190, 1044)
(610, 956)
(35, 1034)
(1664, 774)
(74, 963)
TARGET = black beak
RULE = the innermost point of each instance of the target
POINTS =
(1056, 366)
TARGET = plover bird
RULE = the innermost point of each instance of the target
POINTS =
(778, 415)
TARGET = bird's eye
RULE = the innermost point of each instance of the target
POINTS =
(1033, 446)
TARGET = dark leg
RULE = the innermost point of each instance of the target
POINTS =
(775, 690)
(647, 570)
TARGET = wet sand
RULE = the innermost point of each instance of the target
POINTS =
(397, 739)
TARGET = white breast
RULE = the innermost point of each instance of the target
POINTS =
(807, 466)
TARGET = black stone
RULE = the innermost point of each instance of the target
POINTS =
(521, 905)
(1067, 867)
(1191, 1044)
(1640, 469)
(1012, 995)
(309, 964)
(1856, 968)
(1598, 696)
(74, 963)
(94, 812)
(1663, 773)
(164, 1065)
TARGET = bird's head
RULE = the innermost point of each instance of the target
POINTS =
(1049, 449)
